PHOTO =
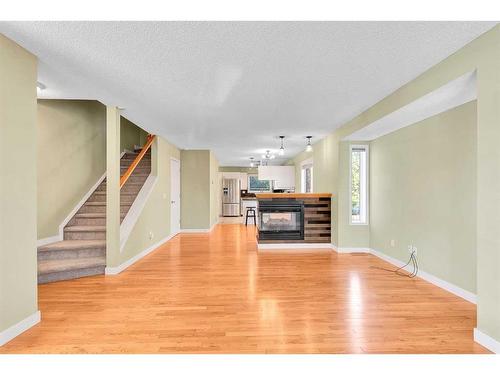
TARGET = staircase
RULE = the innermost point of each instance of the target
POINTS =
(83, 250)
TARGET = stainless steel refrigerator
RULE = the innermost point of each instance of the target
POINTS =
(230, 197)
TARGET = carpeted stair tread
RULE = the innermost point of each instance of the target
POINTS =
(59, 265)
(128, 182)
(121, 192)
(85, 228)
(103, 203)
(93, 215)
(73, 245)
(83, 251)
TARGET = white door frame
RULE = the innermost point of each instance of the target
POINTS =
(175, 230)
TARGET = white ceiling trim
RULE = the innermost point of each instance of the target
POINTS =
(451, 95)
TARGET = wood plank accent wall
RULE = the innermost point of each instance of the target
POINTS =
(317, 221)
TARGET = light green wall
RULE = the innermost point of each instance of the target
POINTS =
(195, 189)
(18, 180)
(331, 175)
(71, 157)
(423, 192)
(130, 135)
(325, 174)
(488, 186)
(142, 136)
(215, 190)
(482, 55)
(155, 217)
(113, 132)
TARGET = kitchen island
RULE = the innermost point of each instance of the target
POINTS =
(294, 220)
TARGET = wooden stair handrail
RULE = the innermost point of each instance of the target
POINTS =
(137, 160)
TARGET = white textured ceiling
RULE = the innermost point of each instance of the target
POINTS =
(233, 87)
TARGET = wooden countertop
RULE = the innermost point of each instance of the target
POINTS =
(292, 195)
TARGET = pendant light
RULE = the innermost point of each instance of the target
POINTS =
(309, 147)
(282, 148)
(268, 155)
(251, 162)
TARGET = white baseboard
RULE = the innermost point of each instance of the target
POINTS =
(347, 250)
(78, 206)
(214, 225)
(195, 230)
(466, 295)
(487, 341)
(462, 293)
(60, 235)
(47, 240)
(128, 263)
(293, 246)
(135, 210)
(18, 328)
(200, 230)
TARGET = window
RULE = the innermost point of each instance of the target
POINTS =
(359, 184)
(255, 185)
(307, 176)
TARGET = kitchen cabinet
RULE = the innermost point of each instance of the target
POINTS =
(244, 181)
(243, 177)
(283, 175)
(245, 203)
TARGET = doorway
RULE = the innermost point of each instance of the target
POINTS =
(175, 196)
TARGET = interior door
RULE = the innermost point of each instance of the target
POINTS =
(175, 196)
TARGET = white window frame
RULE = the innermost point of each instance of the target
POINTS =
(303, 166)
(364, 185)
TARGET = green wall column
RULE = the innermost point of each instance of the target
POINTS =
(488, 193)
(195, 189)
(112, 186)
(18, 201)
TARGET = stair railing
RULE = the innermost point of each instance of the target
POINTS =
(149, 141)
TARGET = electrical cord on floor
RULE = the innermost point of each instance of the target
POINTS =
(413, 260)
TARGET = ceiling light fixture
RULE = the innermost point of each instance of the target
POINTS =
(251, 162)
(268, 155)
(282, 148)
(309, 147)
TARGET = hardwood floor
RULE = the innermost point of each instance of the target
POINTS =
(214, 293)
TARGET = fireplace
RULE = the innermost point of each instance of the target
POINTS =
(281, 220)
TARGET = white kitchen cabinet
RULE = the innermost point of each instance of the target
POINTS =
(243, 177)
(245, 203)
(231, 175)
(244, 181)
(283, 175)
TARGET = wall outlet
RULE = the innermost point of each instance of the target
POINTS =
(393, 243)
(410, 248)
(151, 235)
(415, 250)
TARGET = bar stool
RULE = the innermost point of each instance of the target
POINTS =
(253, 215)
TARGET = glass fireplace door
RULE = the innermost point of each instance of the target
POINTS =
(280, 221)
